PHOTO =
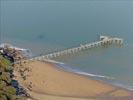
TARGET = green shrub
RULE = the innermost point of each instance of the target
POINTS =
(9, 90)
(2, 84)
(5, 77)
(11, 97)
(4, 64)
(3, 97)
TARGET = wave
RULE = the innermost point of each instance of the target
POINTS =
(123, 86)
(53, 61)
(107, 78)
(68, 68)
(94, 75)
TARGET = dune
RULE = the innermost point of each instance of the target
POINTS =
(44, 81)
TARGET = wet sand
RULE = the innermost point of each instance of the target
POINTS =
(44, 81)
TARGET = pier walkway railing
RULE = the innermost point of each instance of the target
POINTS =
(104, 40)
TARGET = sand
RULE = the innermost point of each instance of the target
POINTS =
(44, 81)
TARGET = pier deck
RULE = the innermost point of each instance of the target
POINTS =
(104, 40)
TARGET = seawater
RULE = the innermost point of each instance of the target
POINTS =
(45, 26)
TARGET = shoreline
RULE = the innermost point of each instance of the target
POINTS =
(97, 77)
(62, 66)
(48, 79)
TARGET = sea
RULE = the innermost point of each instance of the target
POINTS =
(46, 26)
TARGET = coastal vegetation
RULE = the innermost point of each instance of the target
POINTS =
(7, 91)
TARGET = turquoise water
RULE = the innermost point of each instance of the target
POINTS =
(45, 26)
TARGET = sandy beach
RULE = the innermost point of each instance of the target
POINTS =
(44, 81)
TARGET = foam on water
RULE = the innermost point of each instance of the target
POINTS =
(100, 77)
(124, 86)
(67, 68)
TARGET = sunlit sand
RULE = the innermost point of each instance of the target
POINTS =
(45, 81)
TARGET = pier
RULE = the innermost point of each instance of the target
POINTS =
(104, 40)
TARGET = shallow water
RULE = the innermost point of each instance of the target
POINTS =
(51, 25)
